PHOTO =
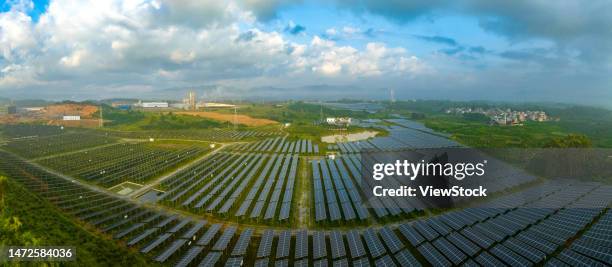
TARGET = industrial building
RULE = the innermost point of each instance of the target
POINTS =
(338, 121)
(71, 118)
(155, 104)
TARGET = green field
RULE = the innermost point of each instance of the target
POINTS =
(593, 123)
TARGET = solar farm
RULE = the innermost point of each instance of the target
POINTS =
(265, 198)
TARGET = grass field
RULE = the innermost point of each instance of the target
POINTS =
(477, 134)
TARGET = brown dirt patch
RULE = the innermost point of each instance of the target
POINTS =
(85, 111)
(240, 119)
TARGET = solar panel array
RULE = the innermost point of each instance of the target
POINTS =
(335, 193)
(252, 185)
(278, 145)
(552, 224)
(114, 164)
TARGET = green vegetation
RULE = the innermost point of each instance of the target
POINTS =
(304, 118)
(294, 112)
(131, 120)
(594, 125)
(478, 134)
(570, 141)
(27, 220)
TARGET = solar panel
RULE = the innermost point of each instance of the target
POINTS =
(211, 259)
(170, 250)
(463, 244)
(301, 244)
(489, 231)
(301, 263)
(470, 263)
(374, 245)
(355, 244)
(425, 230)
(191, 233)
(209, 235)
(337, 245)
(535, 241)
(411, 234)
(285, 209)
(340, 263)
(166, 221)
(262, 263)
(243, 242)
(486, 259)
(478, 238)
(432, 255)
(450, 251)
(394, 244)
(439, 226)
(130, 229)
(554, 262)
(506, 255)
(385, 261)
(284, 244)
(405, 258)
(265, 245)
(524, 250)
(320, 263)
(188, 257)
(452, 220)
(362, 262)
(225, 239)
(319, 248)
(282, 263)
(234, 262)
(156, 242)
(142, 236)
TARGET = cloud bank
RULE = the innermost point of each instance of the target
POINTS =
(95, 49)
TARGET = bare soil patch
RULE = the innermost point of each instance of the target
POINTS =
(240, 119)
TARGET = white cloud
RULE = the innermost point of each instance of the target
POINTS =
(331, 31)
(350, 30)
(377, 59)
(74, 60)
(182, 57)
(89, 45)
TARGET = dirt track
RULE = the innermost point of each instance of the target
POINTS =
(240, 119)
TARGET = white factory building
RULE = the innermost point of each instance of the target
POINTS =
(338, 120)
(155, 104)
(71, 118)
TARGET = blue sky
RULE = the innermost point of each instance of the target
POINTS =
(475, 49)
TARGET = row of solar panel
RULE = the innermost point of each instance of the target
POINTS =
(279, 145)
(333, 188)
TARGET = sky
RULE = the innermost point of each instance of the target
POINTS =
(522, 50)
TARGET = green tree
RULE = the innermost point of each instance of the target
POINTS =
(570, 141)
